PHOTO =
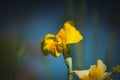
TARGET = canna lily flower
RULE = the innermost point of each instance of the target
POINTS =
(96, 72)
(55, 44)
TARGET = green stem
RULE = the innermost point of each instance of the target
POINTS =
(68, 62)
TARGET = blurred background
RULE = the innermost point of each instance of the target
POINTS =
(23, 24)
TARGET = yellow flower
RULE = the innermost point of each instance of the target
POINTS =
(55, 44)
(116, 69)
(96, 72)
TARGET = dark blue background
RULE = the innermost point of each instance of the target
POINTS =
(24, 23)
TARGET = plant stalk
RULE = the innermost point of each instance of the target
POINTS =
(68, 61)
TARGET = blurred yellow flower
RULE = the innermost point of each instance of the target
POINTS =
(55, 44)
(116, 69)
(96, 72)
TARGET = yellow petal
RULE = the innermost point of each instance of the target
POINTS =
(100, 65)
(49, 45)
(57, 54)
(81, 74)
(97, 71)
(45, 43)
(68, 34)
